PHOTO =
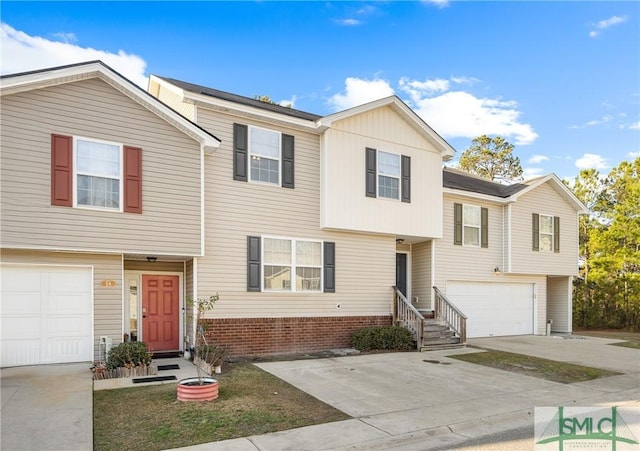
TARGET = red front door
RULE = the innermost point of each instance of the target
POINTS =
(160, 307)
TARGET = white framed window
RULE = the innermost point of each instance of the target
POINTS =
(291, 265)
(264, 155)
(471, 222)
(546, 233)
(97, 174)
(388, 175)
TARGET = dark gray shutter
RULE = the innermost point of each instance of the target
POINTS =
(240, 152)
(457, 224)
(329, 267)
(253, 263)
(287, 161)
(484, 227)
(371, 172)
(406, 179)
(556, 234)
(536, 232)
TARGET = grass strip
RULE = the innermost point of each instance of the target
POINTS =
(251, 402)
(551, 370)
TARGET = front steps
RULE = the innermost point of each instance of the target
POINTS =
(436, 336)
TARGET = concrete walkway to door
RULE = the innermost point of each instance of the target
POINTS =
(46, 407)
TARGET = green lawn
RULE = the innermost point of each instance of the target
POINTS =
(551, 370)
(251, 402)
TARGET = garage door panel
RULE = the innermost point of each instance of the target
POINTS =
(494, 309)
(21, 303)
(67, 327)
(73, 305)
(46, 315)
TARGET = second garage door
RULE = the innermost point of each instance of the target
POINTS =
(46, 315)
(494, 309)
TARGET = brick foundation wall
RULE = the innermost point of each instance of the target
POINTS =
(252, 337)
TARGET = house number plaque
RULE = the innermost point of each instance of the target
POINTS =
(108, 283)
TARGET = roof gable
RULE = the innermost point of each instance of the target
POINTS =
(406, 113)
(27, 81)
(461, 181)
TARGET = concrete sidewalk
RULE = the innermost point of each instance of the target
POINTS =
(427, 401)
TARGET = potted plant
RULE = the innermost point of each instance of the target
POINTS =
(204, 387)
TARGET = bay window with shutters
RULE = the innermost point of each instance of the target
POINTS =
(91, 173)
(471, 225)
(290, 265)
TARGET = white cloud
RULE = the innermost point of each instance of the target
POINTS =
(21, 53)
(459, 114)
(66, 37)
(417, 89)
(591, 161)
(348, 22)
(438, 3)
(634, 154)
(535, 159)
(635, 126)
(359, 91)
(454, 114)
(291, 103)
(530, 173)
(598, 27)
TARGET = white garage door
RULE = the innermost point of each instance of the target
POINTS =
(46, 315)
(494, 309)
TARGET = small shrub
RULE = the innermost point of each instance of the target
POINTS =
(128, 355)
(390, 338)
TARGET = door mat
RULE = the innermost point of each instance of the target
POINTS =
(173, 366)
(141, 380)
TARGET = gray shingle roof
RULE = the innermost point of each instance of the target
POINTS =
(455, 179)
(197, 89)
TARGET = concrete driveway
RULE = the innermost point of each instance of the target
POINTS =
(588, 351)
(47, 407)
(420, 401)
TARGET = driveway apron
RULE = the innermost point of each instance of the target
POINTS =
(46, 407)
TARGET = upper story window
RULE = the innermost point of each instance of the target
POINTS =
(95, 174)
(283, 264)
(471, 225)
(388, 175)
(264, 155)
(546, 233)
(98, 174)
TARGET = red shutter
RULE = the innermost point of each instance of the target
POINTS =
(61, 170)
(132, 179)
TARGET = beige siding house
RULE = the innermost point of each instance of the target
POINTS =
(118, 205)
(101, 205)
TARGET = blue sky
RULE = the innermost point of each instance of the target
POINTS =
(559, 80)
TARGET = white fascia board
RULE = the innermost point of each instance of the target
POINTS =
(478, 196)
(41, 79)
(401, 108)
(564, 191)
(245, 111)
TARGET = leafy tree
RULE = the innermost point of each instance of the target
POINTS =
(608, 294)
(491, 158)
